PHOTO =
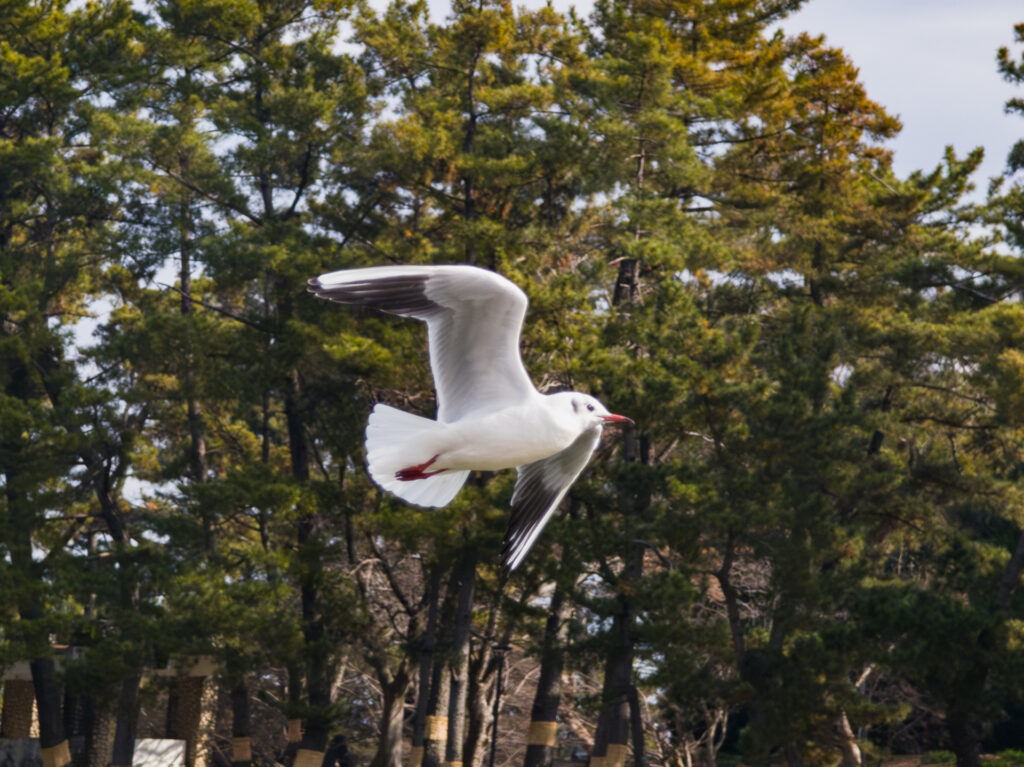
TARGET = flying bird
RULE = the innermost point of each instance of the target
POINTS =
(489, 414)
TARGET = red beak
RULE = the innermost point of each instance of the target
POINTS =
(612, 418)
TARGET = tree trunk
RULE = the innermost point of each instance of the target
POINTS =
(389, 744)
(613, 725)
(625, 282)
(613, 729)
(478, 712)
(44, 679)
(426, 667)
(99, 734)
(435, 733)
(128, 699)
(314, 737)
(847, 741)
(723, 574)
(125, 731)
(468, 140)
(48, 705)
(241, 725)
(197, 441)
(480, 707)
(962, 738)
(636, 719)
(293, 727)
(541, 738)
(460, 658)
(318, 686)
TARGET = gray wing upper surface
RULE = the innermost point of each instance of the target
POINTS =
(474, 319)
(540, 487)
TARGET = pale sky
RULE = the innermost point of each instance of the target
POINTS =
(932, 63)
(929, 62)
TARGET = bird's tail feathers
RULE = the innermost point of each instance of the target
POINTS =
(396, 441)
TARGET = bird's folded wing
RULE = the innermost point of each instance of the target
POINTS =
(540, 486)
(474, 318)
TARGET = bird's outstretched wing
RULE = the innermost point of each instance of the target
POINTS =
(474, 318)
(540, 486)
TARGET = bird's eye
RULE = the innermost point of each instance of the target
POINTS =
(590, 408)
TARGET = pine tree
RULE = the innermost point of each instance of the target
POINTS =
(288, 105)
(957, 590)
(60, 192)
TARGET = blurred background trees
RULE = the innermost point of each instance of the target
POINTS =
(806, 551)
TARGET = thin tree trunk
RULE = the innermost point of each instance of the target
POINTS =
(723, 574)
(435, 735)
(293, 727)
(847, 741)
(426, 666)
(613, 725)
(480, 705)
(44, 679)
(478, 711)
(241, 725)
(197, 441)
(125, 731)
(389, 744)
(98, 710)
(636, 719)
(613, 731)
(468, 140)
(613, 728)
(314, 737)
(128, 700)
(541, 738)
(460, 658)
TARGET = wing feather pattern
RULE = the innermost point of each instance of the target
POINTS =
(474, 318)
(540, 487)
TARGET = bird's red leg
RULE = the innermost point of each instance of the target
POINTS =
(410, 473)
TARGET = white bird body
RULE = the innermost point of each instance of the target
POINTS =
(490, 416)
(508, 437)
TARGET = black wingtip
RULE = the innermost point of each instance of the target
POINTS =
(506, 558)
(511, 550)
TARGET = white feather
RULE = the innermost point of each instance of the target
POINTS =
(473, 324)
(397, 440)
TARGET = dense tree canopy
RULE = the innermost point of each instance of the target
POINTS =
(806, 551)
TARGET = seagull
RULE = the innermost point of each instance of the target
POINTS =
(490, 416)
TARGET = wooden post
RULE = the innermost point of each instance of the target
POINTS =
(190, 708)
(19, 700)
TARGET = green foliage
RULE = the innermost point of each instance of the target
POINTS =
(823, 360)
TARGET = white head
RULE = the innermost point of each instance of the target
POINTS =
(587, 411)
